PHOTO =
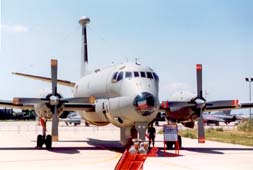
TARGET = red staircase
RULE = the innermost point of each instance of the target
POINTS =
(134, 161)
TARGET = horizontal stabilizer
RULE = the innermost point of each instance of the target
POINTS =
(46, 79)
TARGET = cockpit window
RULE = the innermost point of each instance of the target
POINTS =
(136, 74)
(117, 76)
(128, 75)
(149, 75)
(143, 74)
(120, 76)
(114, 78)
(155, 76)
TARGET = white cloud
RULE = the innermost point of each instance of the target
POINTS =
(14, 28)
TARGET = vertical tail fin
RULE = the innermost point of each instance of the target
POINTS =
(84, 48)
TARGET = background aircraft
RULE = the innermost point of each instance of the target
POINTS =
(72, 118)
(217, 117)
(125, 95)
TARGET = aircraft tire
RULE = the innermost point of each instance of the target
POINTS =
(39, 141)
(48, 142)
(169, 145)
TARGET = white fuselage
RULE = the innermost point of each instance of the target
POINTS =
(125, 94)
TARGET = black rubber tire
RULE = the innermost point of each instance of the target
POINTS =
(48, 142)
(40, 141)
(169, 145)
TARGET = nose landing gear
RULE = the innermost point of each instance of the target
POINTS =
(44, 139)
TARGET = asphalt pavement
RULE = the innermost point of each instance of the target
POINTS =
(81, 147)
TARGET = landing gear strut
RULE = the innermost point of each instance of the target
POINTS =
(44, 139)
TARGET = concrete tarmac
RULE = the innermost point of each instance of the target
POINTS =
(81, 147)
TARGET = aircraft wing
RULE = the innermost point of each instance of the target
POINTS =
(9, 104)
(219, 105)
(46, 79)
(188, 111)
(28, 104)
(88, 107)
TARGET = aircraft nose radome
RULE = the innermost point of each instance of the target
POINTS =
(145, 103)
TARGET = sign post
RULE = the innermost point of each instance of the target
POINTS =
(171, 135)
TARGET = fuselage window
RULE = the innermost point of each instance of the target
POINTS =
(136, 74)
(155, 76)
(149, 75)
(143, 74)
(114, 78)
(120, 76)
(128, 75)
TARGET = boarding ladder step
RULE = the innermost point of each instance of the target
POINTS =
(134, 161)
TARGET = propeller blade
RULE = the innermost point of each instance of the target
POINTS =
(201, 130)
(200, 101)
(54, 66)
(246, 105)
(176, 104)
(199, 81)
(22, 100)
(55, 121)
(80, 100)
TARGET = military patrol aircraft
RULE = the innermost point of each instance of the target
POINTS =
(217, 117)
(125, 95)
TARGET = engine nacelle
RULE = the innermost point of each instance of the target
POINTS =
(108, 111)
(116, 110)
(98, 117)
(43, 109)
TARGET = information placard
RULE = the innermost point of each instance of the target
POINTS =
(170, 132)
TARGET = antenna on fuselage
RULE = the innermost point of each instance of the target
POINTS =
(84, 48)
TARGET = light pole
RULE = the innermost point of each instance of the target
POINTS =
(249, 80)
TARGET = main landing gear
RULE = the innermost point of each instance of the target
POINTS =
(44, 139)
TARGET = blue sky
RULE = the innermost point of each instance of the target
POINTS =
(169, 36)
